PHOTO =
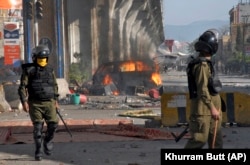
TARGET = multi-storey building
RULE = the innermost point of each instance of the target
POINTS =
(240, 32)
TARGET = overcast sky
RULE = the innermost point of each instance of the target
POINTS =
(183, 12)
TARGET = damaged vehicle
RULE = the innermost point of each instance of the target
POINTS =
(125, 78)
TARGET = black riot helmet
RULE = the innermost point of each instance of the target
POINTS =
(40, 51)
(208, 42)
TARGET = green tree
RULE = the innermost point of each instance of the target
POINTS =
(76, 73)
(238, 46)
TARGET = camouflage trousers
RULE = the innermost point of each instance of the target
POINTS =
(40, 111)
(204, 129)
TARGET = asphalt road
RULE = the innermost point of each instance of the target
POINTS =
(134, 152)
(99, 149)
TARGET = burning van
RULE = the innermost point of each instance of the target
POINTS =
(125, 78)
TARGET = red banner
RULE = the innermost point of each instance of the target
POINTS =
(10, 4)
(11, 54)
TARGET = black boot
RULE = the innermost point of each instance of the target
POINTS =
(37, 134)
(39, 151)
(48, 144)
(48, 147)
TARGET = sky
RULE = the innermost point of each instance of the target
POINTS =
(183, 12)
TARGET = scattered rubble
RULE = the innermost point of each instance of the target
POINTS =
(106, 98)
(117, 102)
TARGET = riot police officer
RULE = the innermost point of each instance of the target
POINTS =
(204, 87)
(38, 93)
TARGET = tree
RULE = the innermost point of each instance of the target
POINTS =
(75, 70)
(238, 46)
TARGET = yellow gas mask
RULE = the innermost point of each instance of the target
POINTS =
(42, 61)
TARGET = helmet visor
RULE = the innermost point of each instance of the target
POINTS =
(43, 53)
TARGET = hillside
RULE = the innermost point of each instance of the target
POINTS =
(190, 32)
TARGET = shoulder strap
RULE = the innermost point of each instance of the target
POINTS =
(192, 63)
(211, 67)
(28, 67)
(24, 66)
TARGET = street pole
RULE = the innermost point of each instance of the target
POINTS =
(28, 16)
(36, 32)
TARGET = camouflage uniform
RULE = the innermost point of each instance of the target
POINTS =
(39, 88)
(201, 123)
(40, 109)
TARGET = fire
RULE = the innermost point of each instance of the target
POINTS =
(142, 67)
(107, 80)
(127, 67)
(156, 78)
(116, 93)
(133, 66)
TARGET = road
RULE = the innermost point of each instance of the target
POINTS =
(99, 149)
(176, 78)
(94, 148)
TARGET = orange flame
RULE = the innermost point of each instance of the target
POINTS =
(127, 66)
(116, 93)
(156, 78)
(133, 66)
(107, 80)
(142, 67)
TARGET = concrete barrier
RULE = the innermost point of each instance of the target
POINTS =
(175, 106)
(10, 99)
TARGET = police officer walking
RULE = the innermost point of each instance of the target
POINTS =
(204, 86)
(38, 93)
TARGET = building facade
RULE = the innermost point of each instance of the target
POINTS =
(240, 36)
